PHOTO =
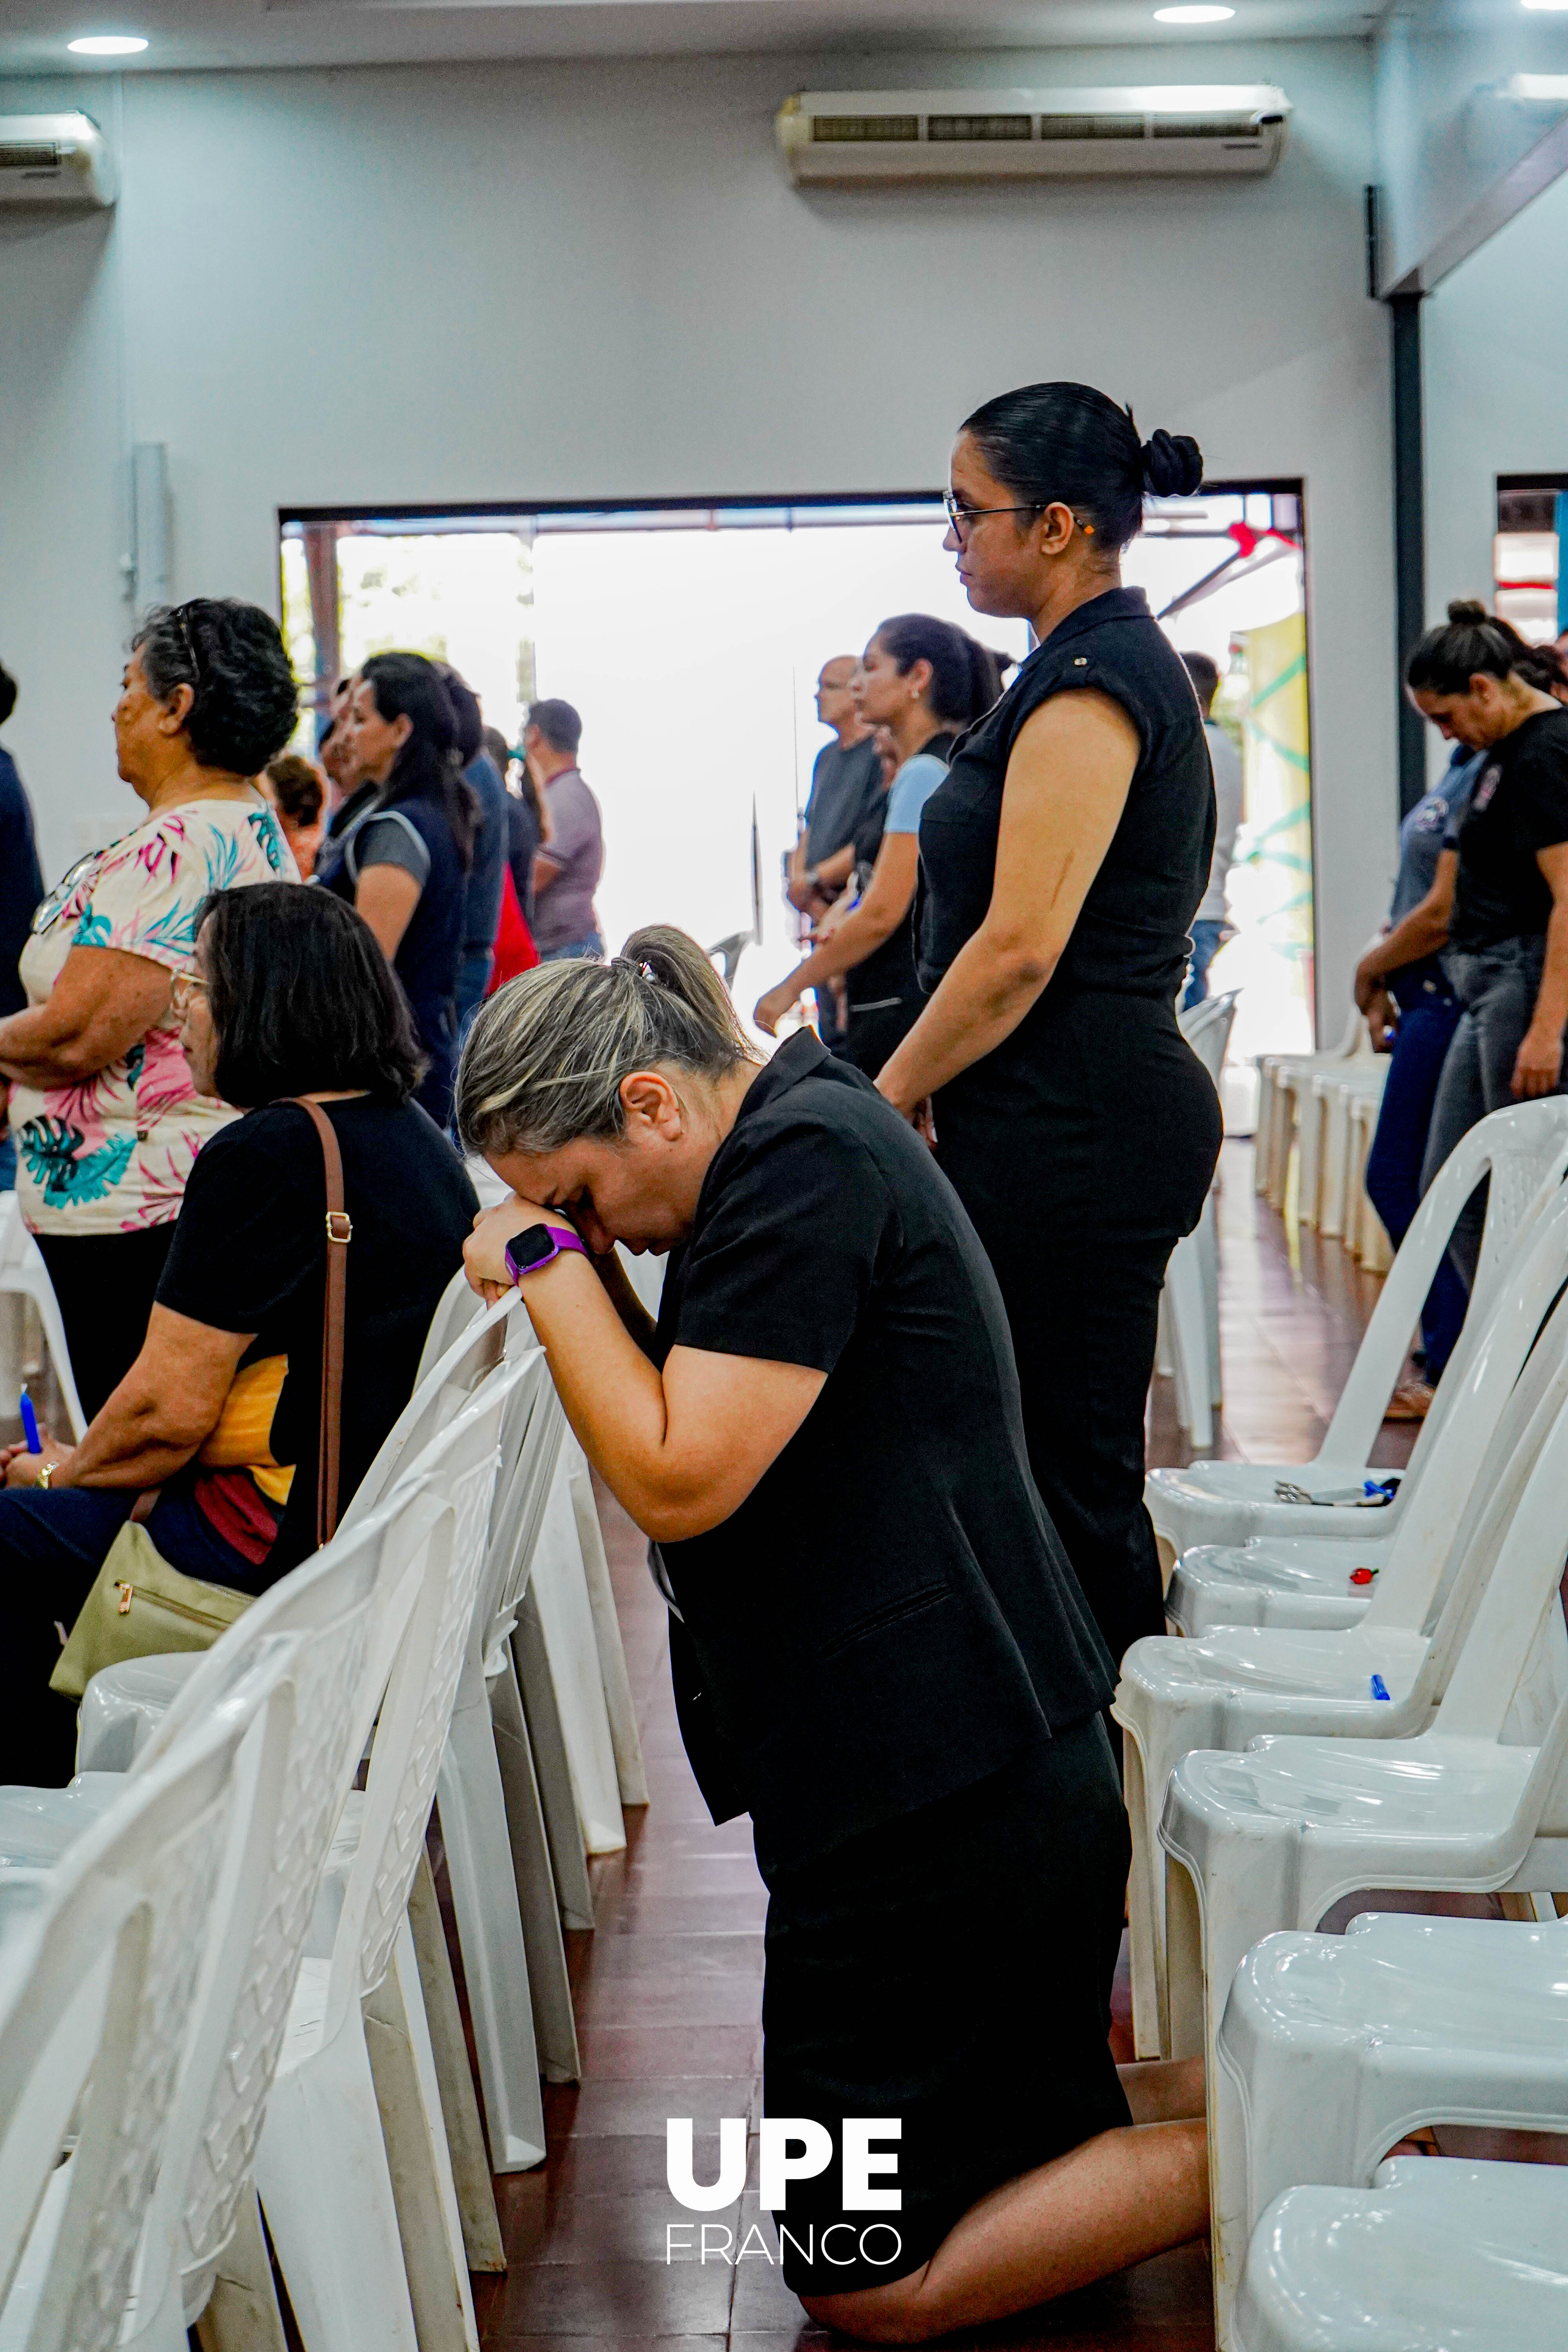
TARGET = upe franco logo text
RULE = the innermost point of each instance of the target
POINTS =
(792, 2147)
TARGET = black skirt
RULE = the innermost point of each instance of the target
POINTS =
(951, 1969)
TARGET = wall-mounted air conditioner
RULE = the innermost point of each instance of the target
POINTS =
(59, 159)
(847, 138)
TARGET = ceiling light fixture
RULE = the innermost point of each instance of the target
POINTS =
(1195, 16)
(107, 44)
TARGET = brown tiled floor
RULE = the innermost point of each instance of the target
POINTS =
(668, 1986)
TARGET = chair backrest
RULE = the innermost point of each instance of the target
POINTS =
(1501, 1388)
(342, 1614)
(532, 1442)
(439, 1394)
(459, 1306)
(1524, 1152)
(1207, 1027)
(97, 1995)
(1522, 1588)
(446, 1524)
(23, 1274)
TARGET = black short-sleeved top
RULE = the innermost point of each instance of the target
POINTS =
(249, 1255)
(888, 976)
(889, 1614)
(1518, 804)
(1131, 935)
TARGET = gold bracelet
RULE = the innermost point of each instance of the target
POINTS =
(45, 1474)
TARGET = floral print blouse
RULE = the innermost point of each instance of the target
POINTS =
(111, 1154)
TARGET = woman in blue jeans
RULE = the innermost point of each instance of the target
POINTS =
(1497, 908)
(1412, 1009)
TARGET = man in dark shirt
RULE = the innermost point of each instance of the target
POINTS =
(845, 786)
(21, 889)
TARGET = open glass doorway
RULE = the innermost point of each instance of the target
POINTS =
(689, 638)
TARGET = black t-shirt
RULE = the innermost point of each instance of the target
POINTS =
(845, 785)
(1131, 934)
(887, 976)
(249, 1255)
(889, 1614)
(1519, 804)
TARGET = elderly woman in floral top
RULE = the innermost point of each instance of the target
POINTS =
(106, 1117)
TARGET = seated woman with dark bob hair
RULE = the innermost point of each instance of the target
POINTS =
(290, 995)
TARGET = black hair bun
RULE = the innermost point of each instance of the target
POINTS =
(1466, 609)
(1172, 465)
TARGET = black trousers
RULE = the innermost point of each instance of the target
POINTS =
(1083, 1151)
(874, 1037)
(105, 1284)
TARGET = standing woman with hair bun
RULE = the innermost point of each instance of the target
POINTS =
(924, 681)
(1061, 863)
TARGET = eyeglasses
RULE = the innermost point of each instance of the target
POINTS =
(963, 519)
(182, 987)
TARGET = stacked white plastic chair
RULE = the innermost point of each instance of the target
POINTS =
(1523, 1151)
(101, 1969)
(1332, 1098)
(1432, 2257)
(1190, 1303)
(1285, 1083)
(23, 1274)
(1271, 1839)
(1384, 1675)
(1365, 1235)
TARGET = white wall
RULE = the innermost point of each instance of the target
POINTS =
(563, 281)
(1495, 337)
(1460, 150)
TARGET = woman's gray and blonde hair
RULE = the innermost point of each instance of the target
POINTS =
(545, 1060)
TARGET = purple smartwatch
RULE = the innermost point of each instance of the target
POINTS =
(537, 1245)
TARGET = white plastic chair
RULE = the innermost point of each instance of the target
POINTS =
(458, 1307)
(1366, 1237)
(1229, 1687)
(1189, 1302)
(329, 2193)
(102, 1970)
(1272, 1838)
(23, 1274)
(325, 1635)
(1524, 1150)
(1289, 1078)
(1272, 1103)
(1334, 1096)
(1435, 2257)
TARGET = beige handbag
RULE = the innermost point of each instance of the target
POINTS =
(140, 1606)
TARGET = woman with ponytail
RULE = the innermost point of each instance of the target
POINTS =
(402, 857)
(903, 1691)
(1061, 863)
(925, 682)
(1497, 908)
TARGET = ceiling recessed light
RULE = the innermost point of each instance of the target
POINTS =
(1214, 14)
(107, 45)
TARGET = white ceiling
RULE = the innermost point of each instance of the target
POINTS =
(184, 34)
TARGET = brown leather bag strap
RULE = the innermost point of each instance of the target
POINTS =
(340, 1232)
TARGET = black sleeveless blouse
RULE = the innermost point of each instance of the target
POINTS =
(1131, 935)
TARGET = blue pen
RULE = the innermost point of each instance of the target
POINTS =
(29, 1424)
(1379, 1687)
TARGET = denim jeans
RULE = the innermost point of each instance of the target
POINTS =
(1206, 930)
(1429, 1016)
(1497, 988)
(7, 1158)
(590, 945)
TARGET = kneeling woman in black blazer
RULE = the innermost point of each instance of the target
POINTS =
(904, 1691)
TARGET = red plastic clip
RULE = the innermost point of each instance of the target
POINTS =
(1363, 1575)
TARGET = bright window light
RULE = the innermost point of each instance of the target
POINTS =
(107, 44)
(1546, 4)
(1216, 16)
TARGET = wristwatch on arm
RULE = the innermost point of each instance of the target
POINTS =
(537, 1245)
